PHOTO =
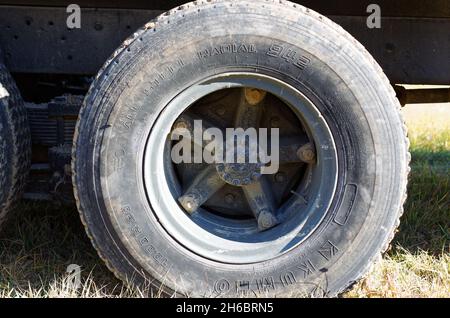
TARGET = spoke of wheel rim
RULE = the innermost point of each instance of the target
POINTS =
(260, 198)
(295, 149)
(186, 123)
(250, 108)
(202, 188)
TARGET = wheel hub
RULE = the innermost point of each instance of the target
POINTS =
(239, 174)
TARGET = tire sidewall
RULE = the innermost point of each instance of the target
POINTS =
(10, 102)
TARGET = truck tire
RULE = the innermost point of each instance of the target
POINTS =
(15, 145)
(158, 222)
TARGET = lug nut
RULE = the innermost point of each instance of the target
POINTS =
(181, 125)
(236, 182)
(189, 203)
(307, 153)
(266, 220)
(254, 96)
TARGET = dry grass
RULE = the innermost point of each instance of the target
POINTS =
(406, 274)
(40, 241)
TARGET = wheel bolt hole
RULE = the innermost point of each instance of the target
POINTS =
(230, 198)
(280, 177)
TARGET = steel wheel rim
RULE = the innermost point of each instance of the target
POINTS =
(231, 241)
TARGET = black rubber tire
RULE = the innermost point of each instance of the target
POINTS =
(15, 144)
(183, 46)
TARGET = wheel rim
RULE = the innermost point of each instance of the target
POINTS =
(224, 237)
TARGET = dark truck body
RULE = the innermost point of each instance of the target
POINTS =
(412, 46)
